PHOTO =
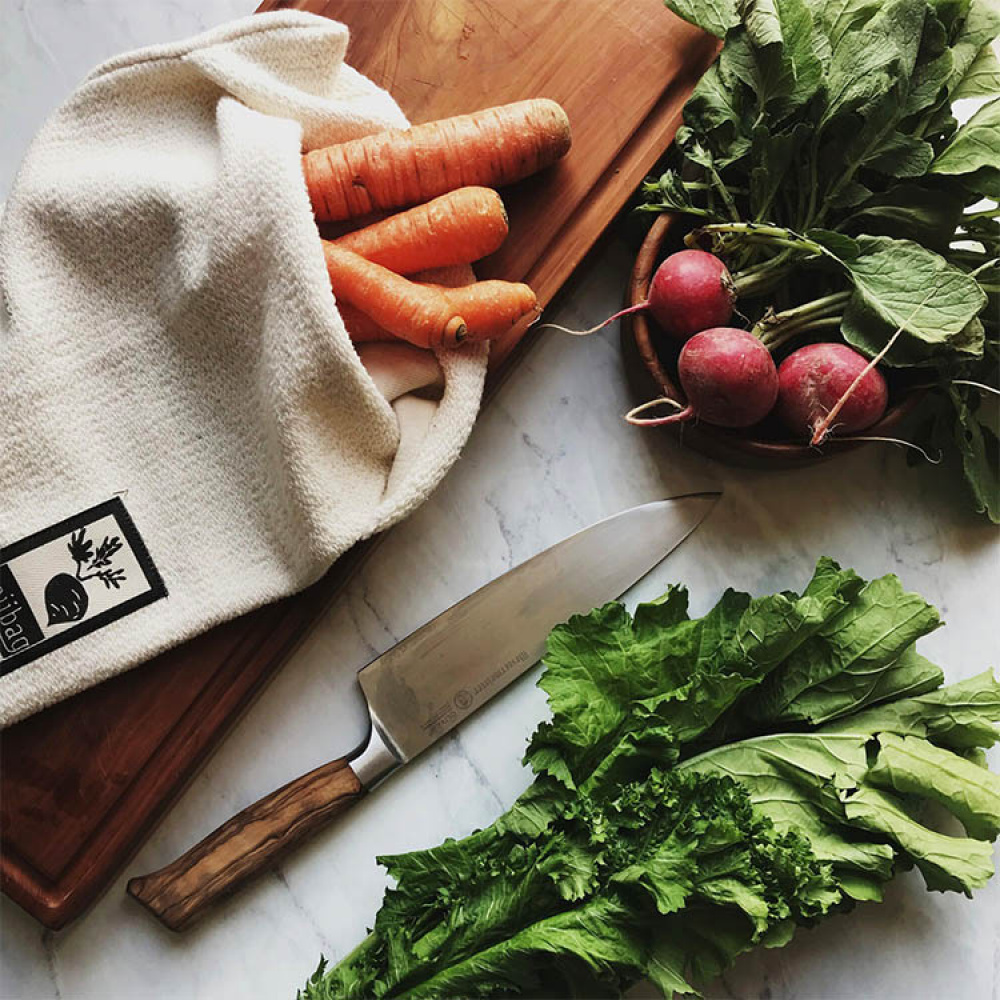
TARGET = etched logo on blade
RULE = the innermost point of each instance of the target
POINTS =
(520, 660)
(464, 698)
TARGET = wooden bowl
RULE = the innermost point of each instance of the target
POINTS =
(650, 362)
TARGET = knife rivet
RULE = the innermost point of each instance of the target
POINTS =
(462, 700)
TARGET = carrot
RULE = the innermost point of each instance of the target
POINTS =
(405, 167)
(450, 277)
(490, 308)
(456, 228)
(417, 313)
(361, 328)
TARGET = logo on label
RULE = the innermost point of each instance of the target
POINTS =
(66, 597)
(71, 579)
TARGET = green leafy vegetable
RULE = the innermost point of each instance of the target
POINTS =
(976, 144)
(912, 766)
(715, 16)
(835, 118)
(976, 31)
(909, 287)
(863, 655)
(704, 786)
(977, 442)
(982, 78)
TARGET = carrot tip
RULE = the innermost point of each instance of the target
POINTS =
(455, 332)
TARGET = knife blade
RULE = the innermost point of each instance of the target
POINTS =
(426, 685)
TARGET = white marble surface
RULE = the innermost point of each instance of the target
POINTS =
(549, 455)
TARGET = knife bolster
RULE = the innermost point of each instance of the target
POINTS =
(376, 761)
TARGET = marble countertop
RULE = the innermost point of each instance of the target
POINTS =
(549, 455)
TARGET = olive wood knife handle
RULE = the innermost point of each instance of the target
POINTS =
(246, 844)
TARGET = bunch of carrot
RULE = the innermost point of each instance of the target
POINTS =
(446, 169)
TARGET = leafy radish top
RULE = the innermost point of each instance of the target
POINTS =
(822, 156)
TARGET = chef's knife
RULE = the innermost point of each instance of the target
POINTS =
(425, 686)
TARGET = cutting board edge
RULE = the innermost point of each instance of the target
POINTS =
(664, 119)
(59, 906)
(82, 882)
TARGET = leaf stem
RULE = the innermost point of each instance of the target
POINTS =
(724, 193)
(985, 213)
(772, 343)
(807, 219)
(776, 329)
(704, 186)
(760, 278)
(703, 213)
(755, 232)
(816, 307)
(992, 262)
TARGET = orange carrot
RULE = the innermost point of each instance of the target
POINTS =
(361, 328)
(405, 167)
(456, 228)
(450, 277)
(490, 308)
(417, 313)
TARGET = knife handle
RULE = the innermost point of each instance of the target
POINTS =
(247, 843)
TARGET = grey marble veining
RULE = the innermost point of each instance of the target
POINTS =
(549, 455)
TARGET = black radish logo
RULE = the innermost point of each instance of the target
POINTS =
(98, 569)
(66, 597)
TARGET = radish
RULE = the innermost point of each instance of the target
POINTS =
(729, 379)
(815, 378)
(691, 290)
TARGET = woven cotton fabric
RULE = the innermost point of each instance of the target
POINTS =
(168, 335)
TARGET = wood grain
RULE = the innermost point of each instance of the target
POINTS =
(622, 72)
(247, 844)
(83, 783)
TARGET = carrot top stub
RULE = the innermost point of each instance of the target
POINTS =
(394, 169)
(417, 313)
(490, 308)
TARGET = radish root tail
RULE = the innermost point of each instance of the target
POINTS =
(600, 326)
(890, 440)
(822, 428)
(683, 413)
(976, 385)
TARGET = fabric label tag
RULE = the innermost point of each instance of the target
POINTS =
(70, 579)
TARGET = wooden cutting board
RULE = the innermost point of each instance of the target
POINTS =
(83, 783)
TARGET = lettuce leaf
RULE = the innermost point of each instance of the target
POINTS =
(704, 786)
(663, 669)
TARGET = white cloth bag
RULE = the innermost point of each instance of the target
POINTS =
(186, 431)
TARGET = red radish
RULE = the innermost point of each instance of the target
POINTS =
(728, 377)
(813, 379)
(691, 290)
